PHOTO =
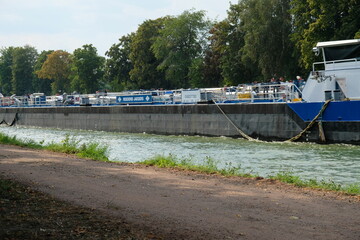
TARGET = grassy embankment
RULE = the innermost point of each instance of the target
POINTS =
(211, 167)
(95, 151)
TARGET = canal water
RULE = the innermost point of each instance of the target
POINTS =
(337, 162)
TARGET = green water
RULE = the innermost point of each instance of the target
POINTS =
(337, 162)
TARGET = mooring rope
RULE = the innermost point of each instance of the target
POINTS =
(244, 135)
(12, 123)
(311, 123)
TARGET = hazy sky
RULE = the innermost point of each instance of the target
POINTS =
(69, 24)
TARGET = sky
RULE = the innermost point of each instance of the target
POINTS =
(70, 24)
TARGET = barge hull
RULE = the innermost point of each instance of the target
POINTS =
(271, 122)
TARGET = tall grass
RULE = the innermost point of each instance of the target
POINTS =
(4, 139)
(69, 145)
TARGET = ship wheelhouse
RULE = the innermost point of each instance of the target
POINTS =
(337, 76)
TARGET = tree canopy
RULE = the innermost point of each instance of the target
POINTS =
(181, 42)
(6, 62)
(118, 65)
(24, 59)
(88, 69)
(57, 67)
(145, 73)
(257, 40)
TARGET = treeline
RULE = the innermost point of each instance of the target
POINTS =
(259, 39)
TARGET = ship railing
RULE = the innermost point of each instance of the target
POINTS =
(23, 101)
(242, 93)
(267, 92)
(335, 64)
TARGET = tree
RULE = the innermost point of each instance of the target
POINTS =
(182, 41)
(118, 65)
(267, 25)
(145, 72)
(24, 59)
(88, 69)
(42, 85)
(212, 72)
(226, 43)
(6, 61)
(315, 21)
(226, 50)
(57, 67)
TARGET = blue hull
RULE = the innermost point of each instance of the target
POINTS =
(344, 111)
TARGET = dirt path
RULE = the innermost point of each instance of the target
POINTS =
(184, 205)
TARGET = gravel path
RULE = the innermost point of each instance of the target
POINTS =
(184, 205)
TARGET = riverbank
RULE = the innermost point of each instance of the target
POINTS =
(173, 204)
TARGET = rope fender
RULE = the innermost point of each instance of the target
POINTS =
(293, 139)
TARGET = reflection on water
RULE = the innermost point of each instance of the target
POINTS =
(337, 162)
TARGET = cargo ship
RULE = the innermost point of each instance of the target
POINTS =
(323, 108)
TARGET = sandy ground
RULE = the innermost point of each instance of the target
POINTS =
(175, 204)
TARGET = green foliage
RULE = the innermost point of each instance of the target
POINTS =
(181, 41)
(267, 25)
(4, 139)
(353, 189)
(257, 39)
(145, 73)
(42, 85)
(209, 166)
(58, 68)
(196, 73)
(288, 177)
(88, 69)
(224, 56)
(315, 21)
(161, 161)
(6, 62)
(118, 65)
(69, 145)
(93, 151)
(24, 59)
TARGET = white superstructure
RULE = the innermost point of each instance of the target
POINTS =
(338, 75)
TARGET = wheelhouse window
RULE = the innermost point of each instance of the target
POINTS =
(342, 52)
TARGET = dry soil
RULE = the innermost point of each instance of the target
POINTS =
(174, 204)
